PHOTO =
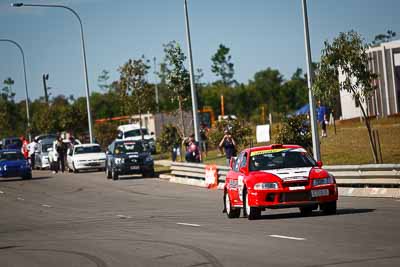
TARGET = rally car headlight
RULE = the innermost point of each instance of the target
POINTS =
(323, 181)
(266, 186)
(119, 160)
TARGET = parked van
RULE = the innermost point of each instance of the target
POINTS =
(134, 132)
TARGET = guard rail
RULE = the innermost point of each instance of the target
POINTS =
(369, 180)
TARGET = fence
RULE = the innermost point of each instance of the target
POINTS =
(370, 180)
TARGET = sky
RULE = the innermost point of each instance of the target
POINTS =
(259, 33)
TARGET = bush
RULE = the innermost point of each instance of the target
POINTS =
(105, 133)
(240, 133)
(169, 137)
(296, 131)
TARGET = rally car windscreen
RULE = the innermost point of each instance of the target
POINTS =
(135, 133)
(87, 149)
(10, 156)
(285, 158)
(128, 147)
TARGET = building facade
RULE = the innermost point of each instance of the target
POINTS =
(385, 62)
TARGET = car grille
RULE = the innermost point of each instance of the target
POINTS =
(295, 196)
(134, 160)
(302, 183)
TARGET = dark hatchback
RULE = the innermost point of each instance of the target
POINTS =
(128, 157)
(13, 164)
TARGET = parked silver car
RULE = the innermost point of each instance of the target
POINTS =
(42, 154)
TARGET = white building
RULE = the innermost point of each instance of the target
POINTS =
(385, 62)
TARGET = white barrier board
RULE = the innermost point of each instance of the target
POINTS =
(262, 133)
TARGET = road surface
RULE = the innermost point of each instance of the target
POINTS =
(86, 220)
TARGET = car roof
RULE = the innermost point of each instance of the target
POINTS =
(46, 141)
(86, 145)
(10, 150)
(270, 147)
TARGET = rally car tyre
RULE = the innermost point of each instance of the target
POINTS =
(306, 211)
(230, 211)
(252, 213)
(108, 174)
(329, 207)
(114, 174)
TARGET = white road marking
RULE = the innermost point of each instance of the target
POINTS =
(20, 198)
(189, 224)
(1, 192)
(46, 206)
(123, 216)
(288, 237)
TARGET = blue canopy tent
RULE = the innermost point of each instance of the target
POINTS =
(304, 110)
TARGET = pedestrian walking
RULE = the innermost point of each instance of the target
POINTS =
(229, 145)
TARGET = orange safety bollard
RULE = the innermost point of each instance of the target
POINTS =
(211, 176)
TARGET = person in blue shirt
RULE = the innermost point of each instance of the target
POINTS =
(322, 118)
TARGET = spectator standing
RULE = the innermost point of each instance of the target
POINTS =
(61, 149)
(32, 147)
(322, 118)
(24, 148)
(229, 145)
(204, 138)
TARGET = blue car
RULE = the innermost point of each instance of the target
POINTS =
(13, 164)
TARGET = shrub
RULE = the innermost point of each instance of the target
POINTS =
(168, 138)
(240, 132)
(295, 130)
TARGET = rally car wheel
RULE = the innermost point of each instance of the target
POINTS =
(108, 173)
(328, 208)
(114, 174)
(251, 213)
(306, 211)
(230, 211)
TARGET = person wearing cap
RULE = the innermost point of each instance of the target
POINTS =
(229, 145)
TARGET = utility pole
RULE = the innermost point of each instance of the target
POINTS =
(46, 95)
(310, 76)
(155, 84)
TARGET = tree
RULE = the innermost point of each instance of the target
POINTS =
(103, 80)
(222, 65)
(347, 55)
(383, 38)
(177, 77)
(7, 90)
(134, 86)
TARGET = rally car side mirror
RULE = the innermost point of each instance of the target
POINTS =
(319, 163)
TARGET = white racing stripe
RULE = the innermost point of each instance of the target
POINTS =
(288, 237)
(189, 224)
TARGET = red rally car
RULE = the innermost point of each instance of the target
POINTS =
(277, 176)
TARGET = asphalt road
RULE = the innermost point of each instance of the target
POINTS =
(86, 220)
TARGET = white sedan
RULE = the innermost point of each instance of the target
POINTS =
(86, 157)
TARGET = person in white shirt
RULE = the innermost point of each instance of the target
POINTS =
(32, 148)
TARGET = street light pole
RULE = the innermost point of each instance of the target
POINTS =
(191, 72)
(26, 85)
(155, 84)
(310, 76)
(83, 55)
